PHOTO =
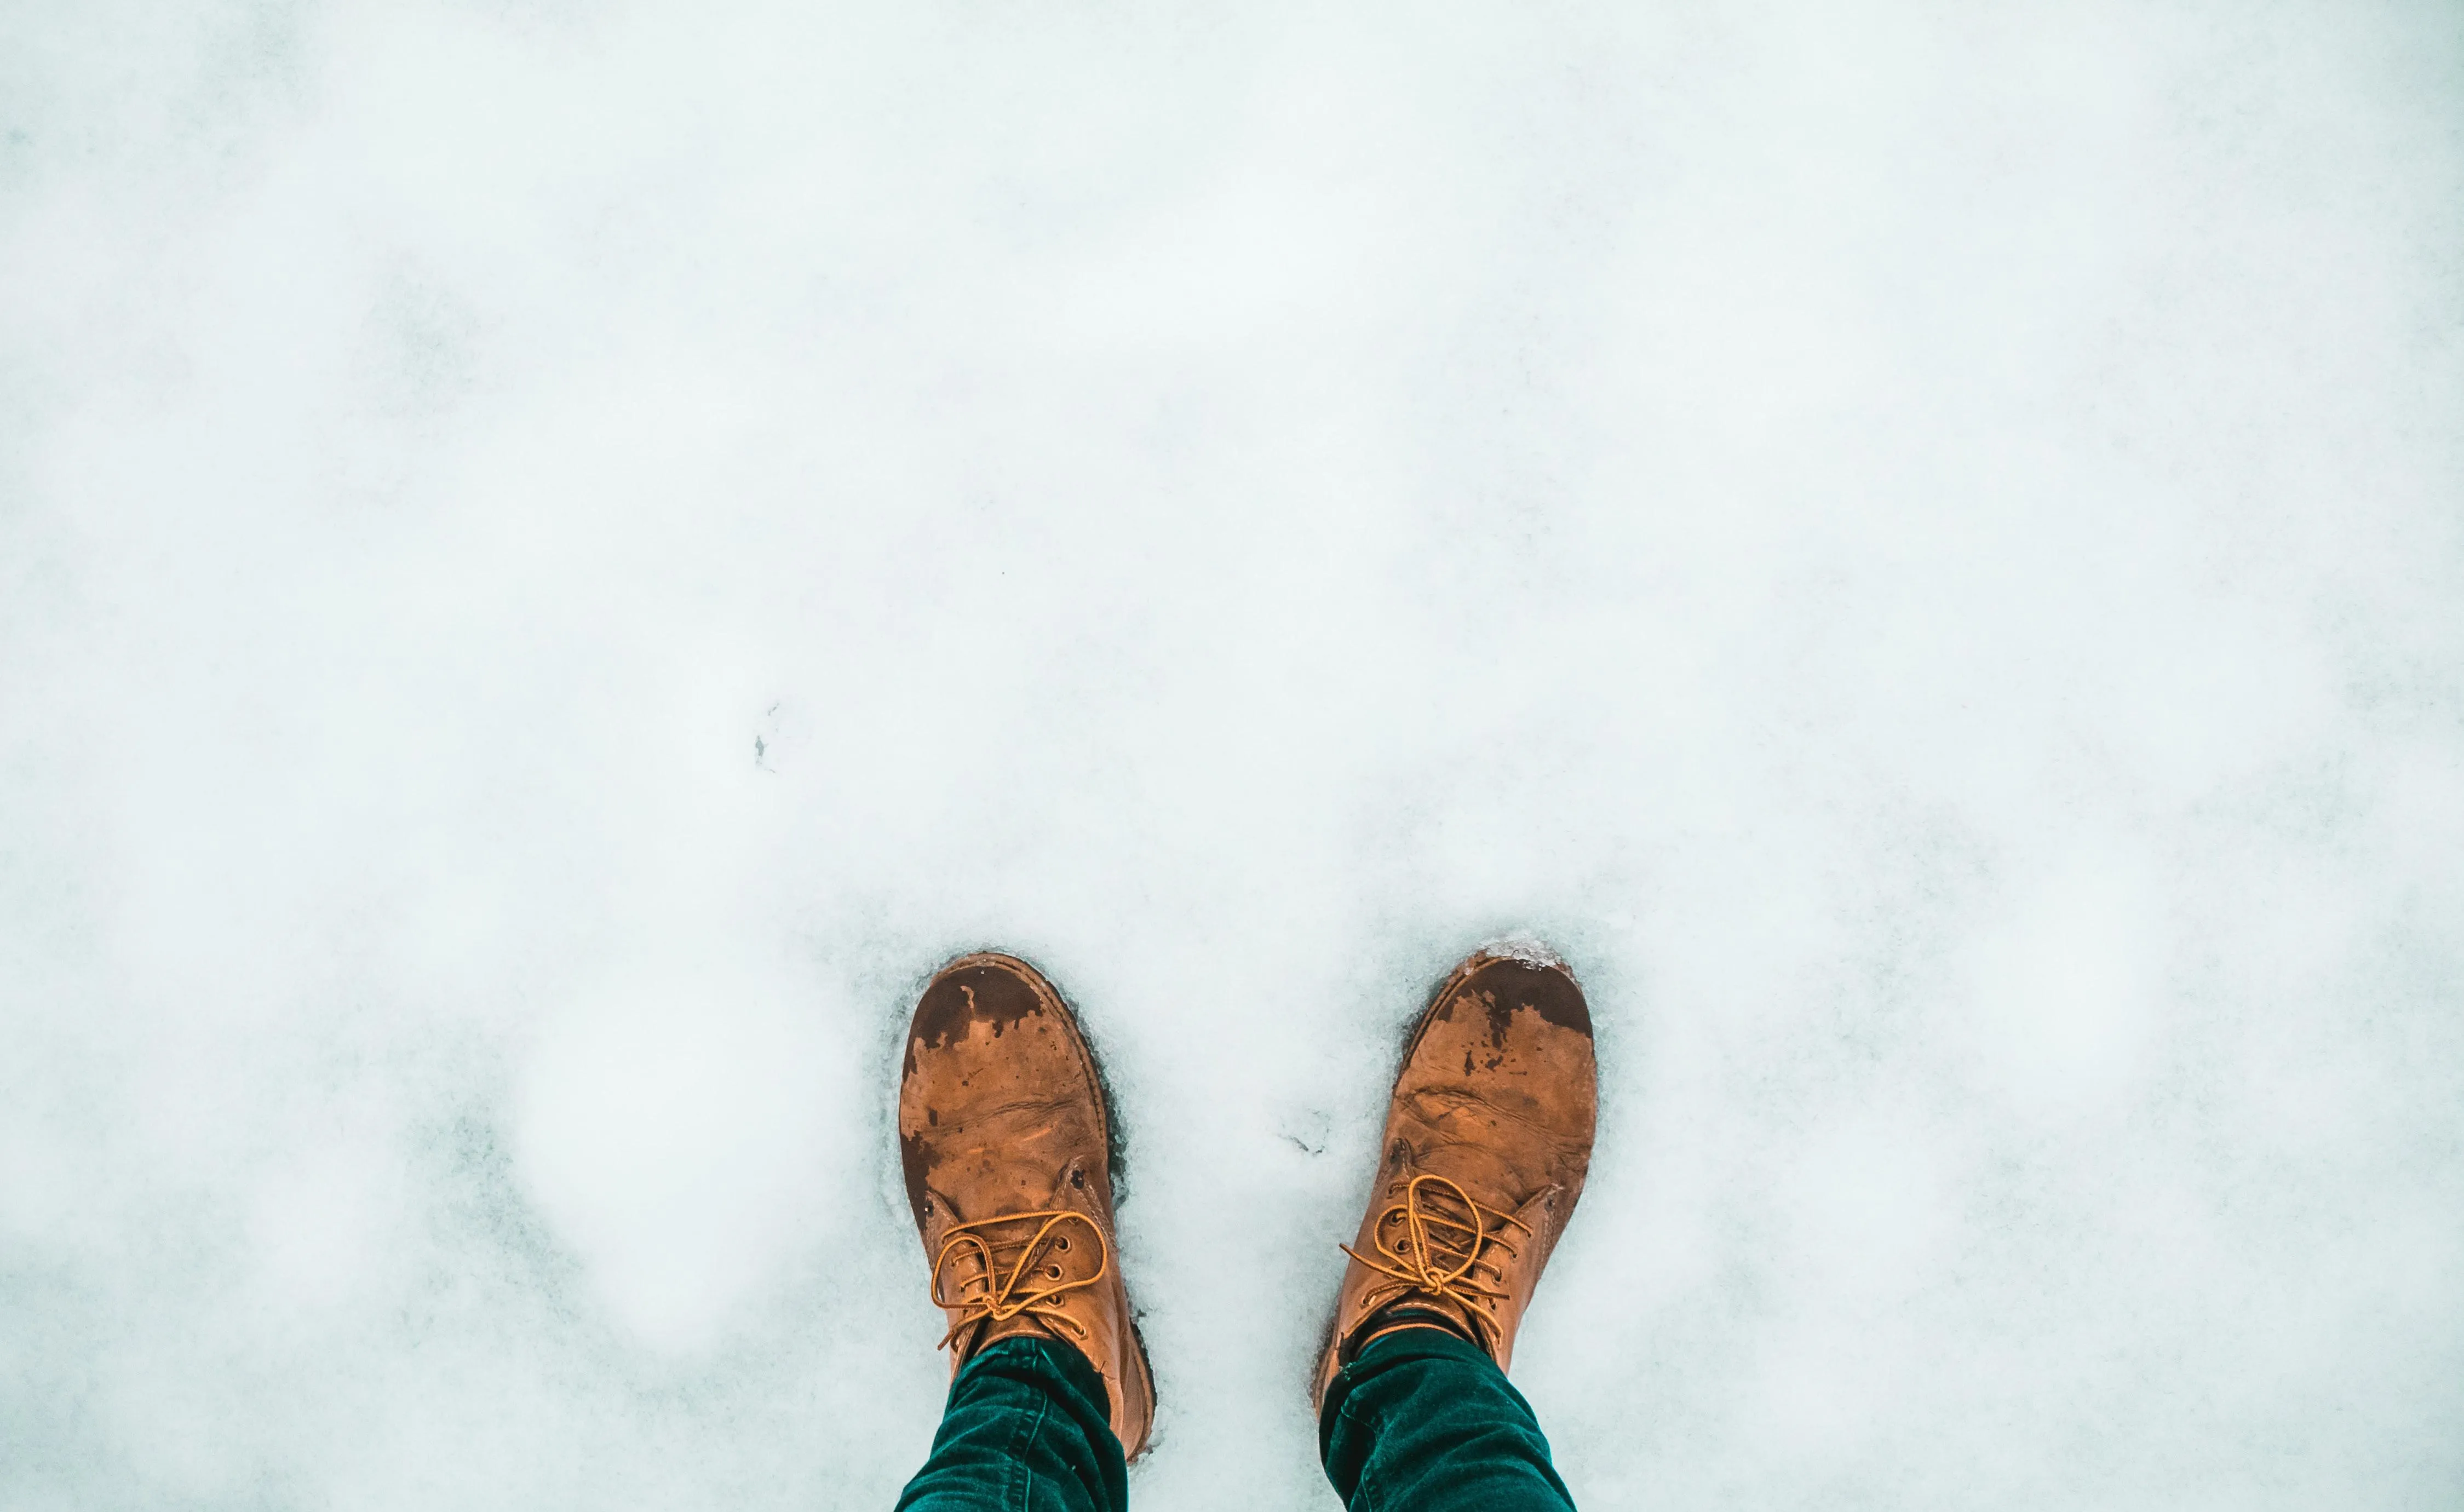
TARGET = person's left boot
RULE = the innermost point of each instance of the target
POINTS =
(1005, 1140)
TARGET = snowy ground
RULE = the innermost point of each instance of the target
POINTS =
(554, 560)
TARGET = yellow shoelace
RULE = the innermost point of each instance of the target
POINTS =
(1431, 1249)
(1034, 1281)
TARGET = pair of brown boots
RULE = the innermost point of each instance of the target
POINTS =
(1006, 1143)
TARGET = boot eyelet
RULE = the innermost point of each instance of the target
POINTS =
(1053, 1271)
(1078, 1179)
(1062, 1244)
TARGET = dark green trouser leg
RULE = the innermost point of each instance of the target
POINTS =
(1028, 1429)
(1425, 1421)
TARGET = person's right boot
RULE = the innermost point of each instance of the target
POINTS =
(1489, 1138)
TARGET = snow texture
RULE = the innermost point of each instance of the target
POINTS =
(556, 559)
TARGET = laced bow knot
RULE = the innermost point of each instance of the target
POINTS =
(1033, 1282)
(1435, 1241)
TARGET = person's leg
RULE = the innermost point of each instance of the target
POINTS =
(1027, 1430)
(1488, 1142)
(1422, 1419)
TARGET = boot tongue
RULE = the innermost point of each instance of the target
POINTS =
(1412, 1312)
(1435, 1246)
(1025, 1326)
(1007, 1275)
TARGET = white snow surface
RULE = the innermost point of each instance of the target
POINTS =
(554, 560)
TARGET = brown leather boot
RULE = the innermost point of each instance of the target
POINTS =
(1006, 1143)
(1488, 1137)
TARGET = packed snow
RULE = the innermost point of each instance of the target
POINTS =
(554, 560)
